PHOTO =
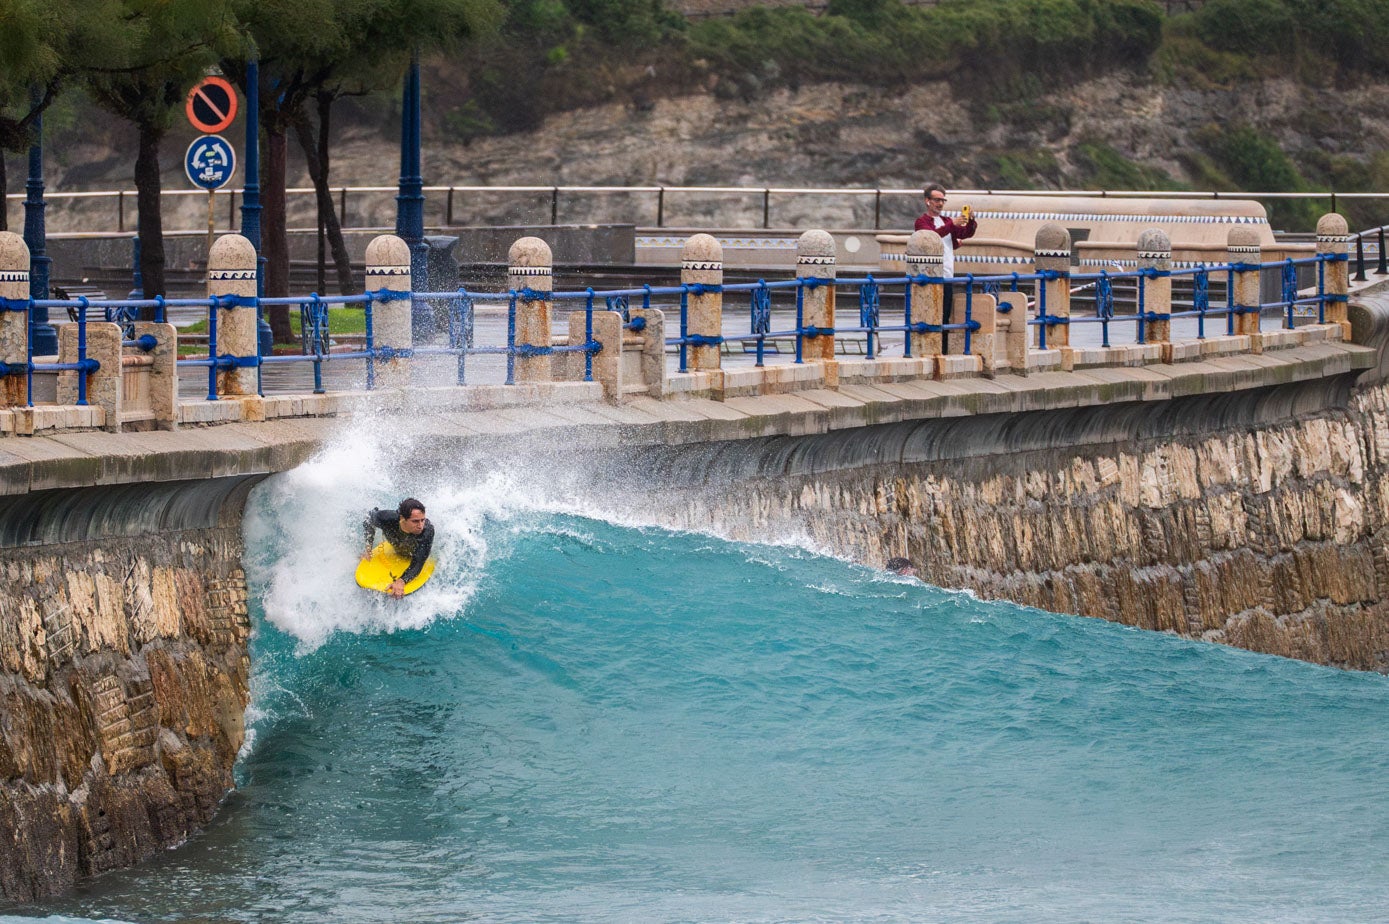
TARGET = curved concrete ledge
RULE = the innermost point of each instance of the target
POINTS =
(1369, 323)
(82, 514)
(188, 476)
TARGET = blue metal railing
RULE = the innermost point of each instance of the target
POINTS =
(874, 319)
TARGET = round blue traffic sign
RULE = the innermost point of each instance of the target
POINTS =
(210, 162)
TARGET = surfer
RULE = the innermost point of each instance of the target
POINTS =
(902, 567)
(408, 532)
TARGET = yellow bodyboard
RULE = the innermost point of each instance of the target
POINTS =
(380, 570)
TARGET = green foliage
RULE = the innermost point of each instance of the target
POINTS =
(1244, 159)
(155, 55)
(42, 44)
(1312, 38)
(1248, 28)
(1020, 169)
(993, 42)
(1099, 166)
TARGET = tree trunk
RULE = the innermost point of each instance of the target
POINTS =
(150, 225)
(316, 156)
(273, 234)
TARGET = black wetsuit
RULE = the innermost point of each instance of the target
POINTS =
(415, 548)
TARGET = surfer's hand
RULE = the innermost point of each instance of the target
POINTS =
(397, 589)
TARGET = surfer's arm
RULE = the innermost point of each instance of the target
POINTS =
(421, 554)
(369, 531)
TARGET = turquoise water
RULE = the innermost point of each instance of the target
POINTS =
(598, 722)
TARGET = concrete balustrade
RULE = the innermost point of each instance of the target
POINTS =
(1243, 249)
(231, 274)
(815, 260)
(701, 264)
(1333, 237)
(160, 386)
(1155, 254)
(388, 272)
(14, 325)
(531, 266)
(138, 388)
(926, 257)
(1012, 326)
(1053, 255)
(983, 343)
(105, 384)
(607, 366)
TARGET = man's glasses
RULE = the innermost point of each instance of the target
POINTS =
(938, 200)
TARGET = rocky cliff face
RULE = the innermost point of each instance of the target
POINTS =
(817, 135)
(123, 683)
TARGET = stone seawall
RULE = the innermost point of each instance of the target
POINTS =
(1259, 527)
(123, 678)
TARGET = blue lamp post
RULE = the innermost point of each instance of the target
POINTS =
(41, 334)
(250, 197)
(409, 221)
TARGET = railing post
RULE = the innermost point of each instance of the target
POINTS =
(231, 277)
(530, 273)
(701, 268)
(1333, 238)
(1245, 254)
(925, 257)
(389, 271)
(1053, 256)
(815, 260)
(14, 318)
(1155, 254)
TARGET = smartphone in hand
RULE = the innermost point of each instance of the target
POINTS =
(966, 214)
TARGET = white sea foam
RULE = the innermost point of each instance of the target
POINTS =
(304, 536)
(303, 527)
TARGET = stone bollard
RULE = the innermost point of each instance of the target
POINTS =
(701, 263)
(1333, 237)
(392, 324)
(1243, 247)
(1053, 255)
(1015, 338)
(815, 259)
(231, 276)
(1155, 253)
(983, 310)
(163, 374)
(653, 349)
(104, 385)
(926, 257)
(14, 321)
(530, 267)
(607, 362)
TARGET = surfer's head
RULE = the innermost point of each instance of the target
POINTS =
(901, 566)
(411, 516)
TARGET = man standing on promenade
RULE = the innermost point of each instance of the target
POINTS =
(952, 233)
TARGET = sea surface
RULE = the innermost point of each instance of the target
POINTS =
(582, 718)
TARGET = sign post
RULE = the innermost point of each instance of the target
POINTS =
(209, 163)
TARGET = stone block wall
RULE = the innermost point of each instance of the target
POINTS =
(1269, 536)
(123, 683)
